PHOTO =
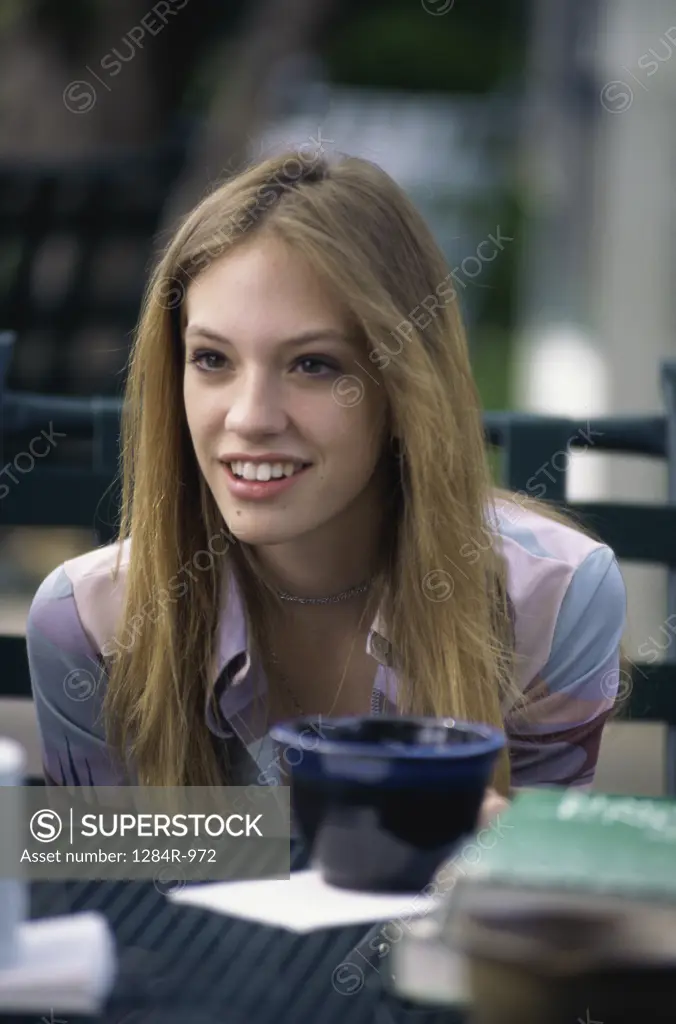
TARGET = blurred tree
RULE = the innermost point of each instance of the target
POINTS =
(134, 61)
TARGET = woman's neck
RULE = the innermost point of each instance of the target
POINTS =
(322, 565)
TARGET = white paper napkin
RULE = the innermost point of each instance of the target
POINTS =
(302, 903)
(62, 965)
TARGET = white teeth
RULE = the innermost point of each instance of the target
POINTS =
(264, 470)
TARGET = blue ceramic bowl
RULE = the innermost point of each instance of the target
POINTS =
(381, 801)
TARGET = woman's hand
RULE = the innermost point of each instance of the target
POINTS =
(493, 805)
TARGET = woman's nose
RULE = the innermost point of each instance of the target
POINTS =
(256, 404)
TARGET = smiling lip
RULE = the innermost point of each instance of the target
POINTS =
(270, 457)
(255, 490)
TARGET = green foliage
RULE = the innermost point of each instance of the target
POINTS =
(498, 301)
(491, 360)
(398, 45)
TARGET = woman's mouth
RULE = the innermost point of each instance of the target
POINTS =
(255, 480)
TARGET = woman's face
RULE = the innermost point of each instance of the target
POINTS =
(274, 382)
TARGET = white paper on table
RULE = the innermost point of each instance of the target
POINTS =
(302, 903)
(63, 964)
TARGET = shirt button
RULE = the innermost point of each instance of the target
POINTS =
(380, 647)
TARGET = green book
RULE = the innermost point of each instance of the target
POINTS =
(554, 842)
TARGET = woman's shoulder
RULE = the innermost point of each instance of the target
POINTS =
(531, 535)
(83, 593)
(557, 579)
(544, 554)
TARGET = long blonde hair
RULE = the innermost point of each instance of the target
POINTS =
(448, 615)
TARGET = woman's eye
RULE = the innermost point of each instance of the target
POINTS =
(313, 366)
(207, 360)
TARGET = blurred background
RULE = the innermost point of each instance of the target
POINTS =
(544, 128)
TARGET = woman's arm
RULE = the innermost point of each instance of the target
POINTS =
(556, 740)
(68, 680)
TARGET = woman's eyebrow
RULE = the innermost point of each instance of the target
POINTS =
(326, 334)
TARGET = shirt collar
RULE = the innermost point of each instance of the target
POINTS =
(232, 639)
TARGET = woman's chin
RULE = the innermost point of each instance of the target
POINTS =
(261, 534)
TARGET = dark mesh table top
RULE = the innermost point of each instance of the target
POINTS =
(186, 965)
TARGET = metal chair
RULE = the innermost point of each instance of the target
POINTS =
(83, 494)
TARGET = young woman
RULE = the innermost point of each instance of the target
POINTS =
(309, 525)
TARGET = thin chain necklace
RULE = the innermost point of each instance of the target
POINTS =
(344, 595)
